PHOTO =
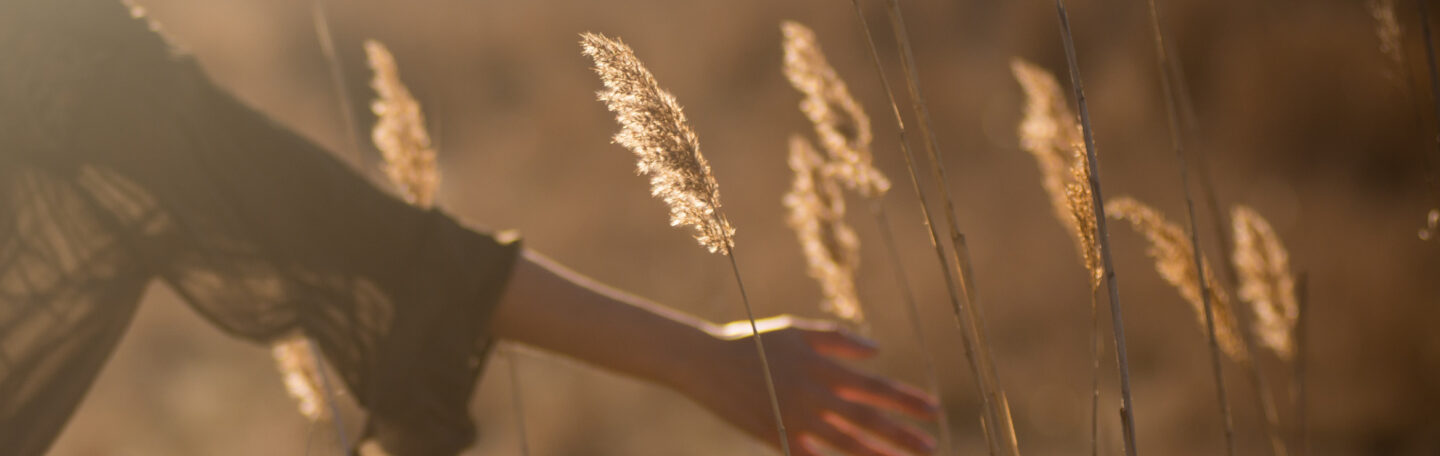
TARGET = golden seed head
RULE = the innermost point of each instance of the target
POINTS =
(399, 131)
(653, 126)
(1175, 261)
(1052, 135)
(840, 122)
(301, 373)
(817, 214)
(1266, 282)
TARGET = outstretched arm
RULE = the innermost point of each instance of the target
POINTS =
(823, 401)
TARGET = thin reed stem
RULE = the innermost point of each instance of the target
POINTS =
(950, 285)
(1302, 300)
(1430, 61)
(1221, 223)
(760, 348)
(902, 280)
(1097, 198)
(337, 81)
(329, 395)
(972, 319)
(347, 116)
(517, 400)
(1095, 350)
(1173, 122)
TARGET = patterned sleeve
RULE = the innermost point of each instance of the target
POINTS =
(165, 176)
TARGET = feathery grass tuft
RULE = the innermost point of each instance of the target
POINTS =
(301, 373)
(1266, 282)
(654, 128)
(1175, 261)
(840, 122)
(817, 214)
(400, 130)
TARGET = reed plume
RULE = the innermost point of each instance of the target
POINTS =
(654, 128)
(1049, 131)
(1175, 261)
(840, 122)
(400, 130)
(817, 214)
(836, 115)
(1052, 135)
(1389, 31)
(301, 373)
(1266, 282)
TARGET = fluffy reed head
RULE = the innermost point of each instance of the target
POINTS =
(1052, 135)
(817, 214)
(301, 373)
(1266, 282)
(400, 130)
(840, 122)
(1175, 260)
(654, 128)
(1388, 30)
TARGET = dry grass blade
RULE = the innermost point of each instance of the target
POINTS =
(970, 317)
(1172, 117)
(400, 130)
(654, 128)
(1266, 282)
(817, 214)
(1097, 198)
(840, 122)
(1175, 261)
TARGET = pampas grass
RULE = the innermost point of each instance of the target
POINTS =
(400, 132)
(845, 132)
(1266, 282)
(1175, 261)
(653, 126)
(1092, 166)
(817, 214)
(1048, 131)
(840, 122)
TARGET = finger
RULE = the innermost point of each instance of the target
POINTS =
(841, 436)
(860, 387)
(872, 421)
(840, 343)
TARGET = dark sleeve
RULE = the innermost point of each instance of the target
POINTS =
(263, 233)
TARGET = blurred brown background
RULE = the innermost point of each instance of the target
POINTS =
(1302, 118)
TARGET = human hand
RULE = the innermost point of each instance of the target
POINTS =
(823, 402)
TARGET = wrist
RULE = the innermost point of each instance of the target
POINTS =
(693, 359)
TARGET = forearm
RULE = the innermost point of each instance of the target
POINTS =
(556, 309)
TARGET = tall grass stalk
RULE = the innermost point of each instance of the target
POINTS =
(932, 376)
(1127, 410)
(845, 133)
(654, 127)
(989, 415)
(970, 317)
(337, 81)
(1178, 98)
(1173, 123)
